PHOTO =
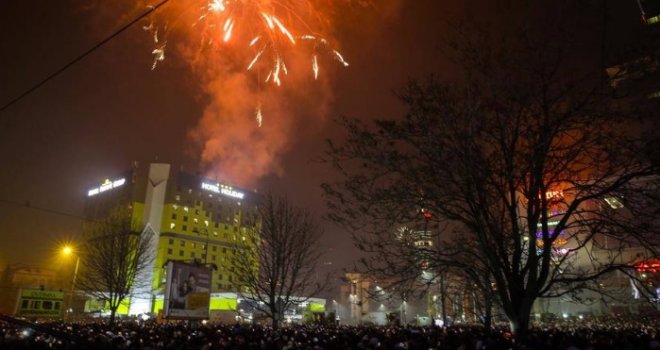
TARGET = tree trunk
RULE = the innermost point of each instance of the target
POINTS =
(113, 312)
(520, 321)
(276, 321)
(488, 314)
(443, 296)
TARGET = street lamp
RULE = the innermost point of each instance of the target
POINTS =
(68, 250)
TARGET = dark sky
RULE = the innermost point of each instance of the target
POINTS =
(110, 109)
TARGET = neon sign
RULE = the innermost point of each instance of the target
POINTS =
(223, 189)
(105, 186)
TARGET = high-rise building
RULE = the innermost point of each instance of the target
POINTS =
(192, 218)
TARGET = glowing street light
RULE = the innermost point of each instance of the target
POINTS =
(68, 250)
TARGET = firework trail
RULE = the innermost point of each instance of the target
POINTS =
(268, 29)
(264, 68)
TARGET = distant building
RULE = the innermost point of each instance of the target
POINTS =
(18, 276)
(193, 218)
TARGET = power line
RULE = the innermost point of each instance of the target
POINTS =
(28, 205)
(83, 55)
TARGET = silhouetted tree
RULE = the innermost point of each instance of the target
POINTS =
(277, 262)
(115, 251)
(539, 170)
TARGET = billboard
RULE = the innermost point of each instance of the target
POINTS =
(40, 303)
(187, 291)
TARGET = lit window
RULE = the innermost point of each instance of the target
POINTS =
(185, 209)
(172, 225)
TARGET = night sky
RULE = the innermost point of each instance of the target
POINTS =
(110, 109)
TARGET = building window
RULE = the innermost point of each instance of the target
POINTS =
(174, 216)
(231, 279)
(170, 241)
(177, 197)
(192, 254)
(194, 245)
(214, 248)
(182, 243)
(185, 219)
(216, 225)
(203, 256)
(180, 252)
(213, 257)
(220, 276)
(224, 250)
(169, 251)
(197, 210)
(184, 228)
(219, 285)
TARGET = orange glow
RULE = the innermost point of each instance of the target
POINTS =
(261, 67)
(271, 27)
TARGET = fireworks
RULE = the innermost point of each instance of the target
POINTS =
(269, 29)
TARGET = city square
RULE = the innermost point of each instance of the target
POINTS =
(344, 174)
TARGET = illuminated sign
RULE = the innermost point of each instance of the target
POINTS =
(105, 186)
(554, 195)
(223, 189)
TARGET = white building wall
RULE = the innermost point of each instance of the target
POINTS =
(141, 296)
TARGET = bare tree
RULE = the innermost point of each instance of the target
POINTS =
(277, 263)
(522, 155)
(116, 251)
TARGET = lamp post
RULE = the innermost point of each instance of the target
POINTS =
(67, 251)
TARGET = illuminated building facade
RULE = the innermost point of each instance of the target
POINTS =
(193, 218)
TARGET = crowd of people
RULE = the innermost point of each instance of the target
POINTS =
(150, 335)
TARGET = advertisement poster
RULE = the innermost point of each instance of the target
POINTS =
(188, 291)
(40, 303)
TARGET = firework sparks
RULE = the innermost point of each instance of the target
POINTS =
(259, 115)
(159, 56)
(261, 24)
